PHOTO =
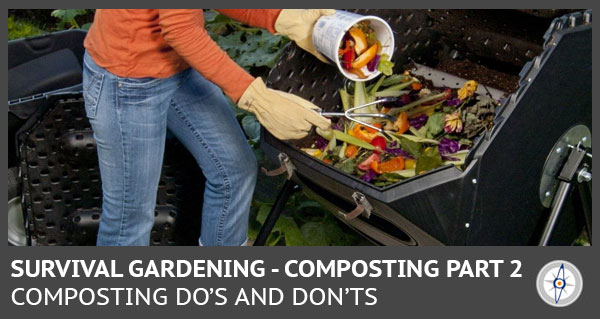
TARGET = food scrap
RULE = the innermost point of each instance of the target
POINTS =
(432, 127)
(360, 52)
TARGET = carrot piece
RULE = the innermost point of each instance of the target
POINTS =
(351, 151)
(416, 86)
(364, 58)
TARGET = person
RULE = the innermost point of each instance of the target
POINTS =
(146, 70)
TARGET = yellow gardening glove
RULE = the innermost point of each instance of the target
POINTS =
(298, 24)
(286, 116)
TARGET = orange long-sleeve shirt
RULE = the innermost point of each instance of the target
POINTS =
(161, 42)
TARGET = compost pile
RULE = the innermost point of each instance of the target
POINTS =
(433, 127)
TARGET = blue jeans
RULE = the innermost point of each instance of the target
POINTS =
(130, 117)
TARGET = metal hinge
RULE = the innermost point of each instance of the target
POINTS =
(363, 207)
(286, 167)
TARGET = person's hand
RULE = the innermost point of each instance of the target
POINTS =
(285, 115)
(298, 24)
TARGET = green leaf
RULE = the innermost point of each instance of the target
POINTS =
(67, 15)
(419, 139)
(413, 148)
(460, 155)
(430, 159)
(251, 127)
(348, 166)
(290, 230)
(395, 79)
(215, 23)
(435, 123)
(252, 49)
(352, 140)
(263, 211)
(335, 234)
(406, 173)
(372, 89)
(259, 154)
(253, 229)
(314, 234)
(86, 26)
(273, 238)
(360, 95)
(18, 28)
(231, 43)
(346, 99)
(385, 65)
(308, 204)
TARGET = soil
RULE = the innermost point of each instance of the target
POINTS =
(467, 69)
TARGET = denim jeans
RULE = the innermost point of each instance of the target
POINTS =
(130, 117)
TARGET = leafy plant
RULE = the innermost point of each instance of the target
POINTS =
(18, 28)
(68, 18)
(303, 223)
(249, 47)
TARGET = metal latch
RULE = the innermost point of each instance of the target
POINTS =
(362, 207)
(286, 167)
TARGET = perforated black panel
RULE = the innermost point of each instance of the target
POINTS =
(490, 46)
(62, 189)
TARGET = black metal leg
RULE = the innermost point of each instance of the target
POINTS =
(287, 190)
(557, 204)
(585, 194)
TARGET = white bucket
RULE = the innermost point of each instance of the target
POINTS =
(330, 30)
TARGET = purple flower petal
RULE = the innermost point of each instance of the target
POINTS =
(321, 143)
(418, 121)
(454, 102)
(398, 152)
(369, 175)
(338, 126)
(448, 146)
(372, 65)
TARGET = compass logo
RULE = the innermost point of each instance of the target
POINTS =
(559, 283)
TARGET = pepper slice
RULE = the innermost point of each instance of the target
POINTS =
(395, 164)
(409, 163)
(379, 143)
(360, 40)
(362, 133)
(347, 59)
(401, 124)
(364, 58)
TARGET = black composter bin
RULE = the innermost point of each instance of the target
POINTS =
(497, 199)
(510, 190)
